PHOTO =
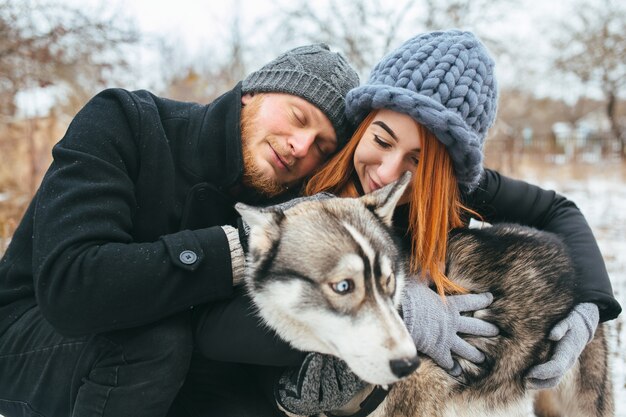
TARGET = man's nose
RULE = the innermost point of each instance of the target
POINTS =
(300, 143)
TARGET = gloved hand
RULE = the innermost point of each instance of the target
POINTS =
(434, 323)
(322, 383)
(572, 335)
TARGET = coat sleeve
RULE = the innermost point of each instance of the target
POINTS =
(231, 331)
(225, 330)
(502, 199)
(90, 274)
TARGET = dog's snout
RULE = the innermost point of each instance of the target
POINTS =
(403, 367)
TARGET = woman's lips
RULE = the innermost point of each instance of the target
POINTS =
(373, 185)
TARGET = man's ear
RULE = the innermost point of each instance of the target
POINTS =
(245, 99)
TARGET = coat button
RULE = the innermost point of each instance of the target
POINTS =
(188, 257)
(202, 194)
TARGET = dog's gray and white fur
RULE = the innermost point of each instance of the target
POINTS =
(327, 277)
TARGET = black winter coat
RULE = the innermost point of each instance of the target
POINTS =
(124, 229)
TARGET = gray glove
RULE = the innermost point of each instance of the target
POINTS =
(322, 383)
(572, 335)
(434, 323)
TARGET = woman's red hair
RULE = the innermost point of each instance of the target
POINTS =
(435, 203)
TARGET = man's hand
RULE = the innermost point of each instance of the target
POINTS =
(322, 383)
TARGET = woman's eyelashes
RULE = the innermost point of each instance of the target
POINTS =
(381, 142)
(412, 158)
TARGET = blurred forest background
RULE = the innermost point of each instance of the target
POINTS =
(562, 90)
(561, 66)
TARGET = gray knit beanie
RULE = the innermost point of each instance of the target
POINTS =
(446, 82)
(312, 72)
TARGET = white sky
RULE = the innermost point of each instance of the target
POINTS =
(203, 21)
(194, 22)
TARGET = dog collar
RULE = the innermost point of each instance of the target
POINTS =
(370, 403)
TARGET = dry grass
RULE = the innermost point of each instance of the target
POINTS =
(25, 148)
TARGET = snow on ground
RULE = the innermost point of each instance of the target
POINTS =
(600, 193)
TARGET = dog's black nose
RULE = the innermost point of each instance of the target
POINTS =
(403, 367)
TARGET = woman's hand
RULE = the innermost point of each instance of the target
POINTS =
(434, 324)
(571, 336)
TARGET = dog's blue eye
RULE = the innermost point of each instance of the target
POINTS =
(343, 287)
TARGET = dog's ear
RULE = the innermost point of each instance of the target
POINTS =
(254, 216)
(384, 200)
(263, 224)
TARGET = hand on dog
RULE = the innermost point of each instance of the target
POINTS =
(434, 323)
(572, 335)
(322, 383)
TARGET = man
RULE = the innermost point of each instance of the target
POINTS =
(133, 226)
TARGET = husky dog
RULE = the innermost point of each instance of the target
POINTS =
(327, 277)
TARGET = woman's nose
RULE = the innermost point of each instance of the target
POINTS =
(389, 170)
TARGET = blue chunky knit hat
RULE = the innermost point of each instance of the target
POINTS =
(445, 81)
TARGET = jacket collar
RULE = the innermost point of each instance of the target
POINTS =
(217, 157)
(215, 132)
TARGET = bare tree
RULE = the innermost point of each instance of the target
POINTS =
(362, 29)
(204, 77)
(463, 13)
(46, 44)
(593, 49)
(365, 30)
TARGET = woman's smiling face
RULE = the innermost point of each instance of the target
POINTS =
(390, 146)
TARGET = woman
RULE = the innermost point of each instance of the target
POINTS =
(427, 108)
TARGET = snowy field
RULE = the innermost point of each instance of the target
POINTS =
(600, 193)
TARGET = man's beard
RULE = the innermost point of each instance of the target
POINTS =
(253, 176)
